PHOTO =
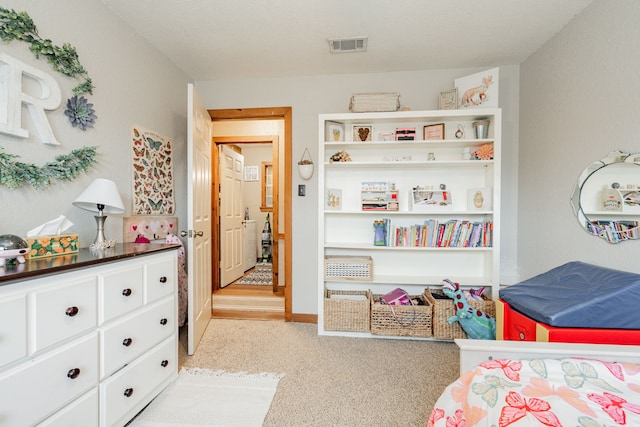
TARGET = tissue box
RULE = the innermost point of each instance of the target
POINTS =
(43, 246)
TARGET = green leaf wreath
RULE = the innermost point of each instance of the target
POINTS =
(64, 59)
(66, 167)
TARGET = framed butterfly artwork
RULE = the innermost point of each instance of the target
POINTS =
(152, 163)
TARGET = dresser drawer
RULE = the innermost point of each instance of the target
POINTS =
(133, 387)
(43, 385)
(131, 336)
(82, 412)
(120, 292)
(63, 310)
(13, 329)
(161, 277)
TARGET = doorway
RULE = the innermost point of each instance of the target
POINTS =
(236, 122)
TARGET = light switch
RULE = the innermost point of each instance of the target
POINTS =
(302, 190)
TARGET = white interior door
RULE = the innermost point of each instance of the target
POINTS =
(199, 217)
(231, 216)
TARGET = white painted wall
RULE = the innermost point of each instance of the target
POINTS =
(579, 100)
(310, 96)
(135, 84)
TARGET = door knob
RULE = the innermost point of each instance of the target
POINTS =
(184, 233)
(199, 234)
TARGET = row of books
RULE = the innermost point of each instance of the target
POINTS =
(615, 231)
(436, 234)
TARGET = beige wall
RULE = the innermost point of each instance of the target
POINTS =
(310, 96)
(134, 84)
(578, 102)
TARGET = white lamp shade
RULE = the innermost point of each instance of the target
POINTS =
(101, 192)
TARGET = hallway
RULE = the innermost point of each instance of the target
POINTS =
(247, 302)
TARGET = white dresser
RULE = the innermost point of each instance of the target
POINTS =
(87, 339)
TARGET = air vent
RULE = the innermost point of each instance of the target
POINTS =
(354, 44)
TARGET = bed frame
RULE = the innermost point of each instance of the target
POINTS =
(474, 352)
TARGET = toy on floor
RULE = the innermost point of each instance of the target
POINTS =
(476, 323)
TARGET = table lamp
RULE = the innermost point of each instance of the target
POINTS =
(101, 196)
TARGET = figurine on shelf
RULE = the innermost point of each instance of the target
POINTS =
(340, 156)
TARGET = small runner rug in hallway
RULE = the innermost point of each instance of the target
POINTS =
(261, 276)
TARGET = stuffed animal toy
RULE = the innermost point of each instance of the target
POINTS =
(476, 323)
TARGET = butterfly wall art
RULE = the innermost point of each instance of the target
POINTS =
(152, 173)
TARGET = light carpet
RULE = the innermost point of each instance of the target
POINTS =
(202, 397)
(260, 276)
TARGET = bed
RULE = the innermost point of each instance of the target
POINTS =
(509, 383)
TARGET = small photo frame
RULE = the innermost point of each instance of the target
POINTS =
(333, 199)
(333, 131)
(479, 199)
(362, 133)
(251, 173)
(448, 99)
(433, 132)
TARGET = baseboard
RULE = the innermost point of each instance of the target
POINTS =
(304, 318)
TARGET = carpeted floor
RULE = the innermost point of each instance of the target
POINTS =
(332, 381)
(260, 276)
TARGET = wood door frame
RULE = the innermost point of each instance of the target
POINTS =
(283, 160)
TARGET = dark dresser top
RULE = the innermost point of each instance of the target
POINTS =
(38, 267)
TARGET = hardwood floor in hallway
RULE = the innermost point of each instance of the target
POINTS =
(248, 302)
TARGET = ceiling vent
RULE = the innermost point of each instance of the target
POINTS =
(354, 44)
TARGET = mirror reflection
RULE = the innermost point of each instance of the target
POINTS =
(606, 198)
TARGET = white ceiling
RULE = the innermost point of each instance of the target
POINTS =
(230, 39)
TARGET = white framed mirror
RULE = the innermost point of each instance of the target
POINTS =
(606, 198)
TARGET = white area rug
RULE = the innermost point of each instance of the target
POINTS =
(201, 397)
(260, 276)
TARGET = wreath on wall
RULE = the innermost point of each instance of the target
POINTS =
(64, 59)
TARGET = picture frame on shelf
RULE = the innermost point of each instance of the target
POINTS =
(333, 199)
(448, 99)
(424, 199)
(479, 199)
(479, 90)
(433, 132)
(362, 133)
(333, 132)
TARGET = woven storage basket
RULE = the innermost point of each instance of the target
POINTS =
(346, 314)
(443, 309)
(343, 267)
(375, 101)
(409, 320)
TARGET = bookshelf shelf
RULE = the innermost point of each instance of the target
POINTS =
(426, 165)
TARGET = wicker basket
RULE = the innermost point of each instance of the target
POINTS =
(375, 101)
(343, 267)
(409, 320)
(443, 309)
(347, 314)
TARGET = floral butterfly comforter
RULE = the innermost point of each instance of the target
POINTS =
(542, 392)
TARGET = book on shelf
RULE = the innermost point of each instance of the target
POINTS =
(432, 233)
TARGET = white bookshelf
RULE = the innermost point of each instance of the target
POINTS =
(348, 230)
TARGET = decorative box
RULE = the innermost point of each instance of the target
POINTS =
(44, 246)
(374, 102)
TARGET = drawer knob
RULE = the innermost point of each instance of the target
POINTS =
(163, 279)
(73, 373)
(164, 363)
(522, 336)
(71, 311)
(126, 292)
(127, 342)
(128, 392)
(163, 322)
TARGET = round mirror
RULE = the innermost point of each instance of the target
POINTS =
(606, 198)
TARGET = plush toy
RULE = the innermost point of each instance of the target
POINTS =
(476, 323)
